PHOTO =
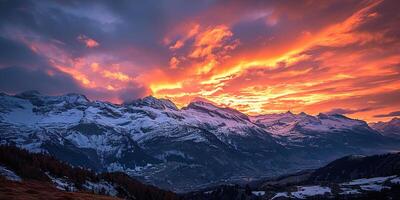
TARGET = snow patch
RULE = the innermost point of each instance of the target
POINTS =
(395, 180)
(258, 193)
(363, 181)
(349, 191)
(308, 191)
(9, 175)
(115, 167)
(62, 184)
(373, 187)
(280, 194)
(101, 187)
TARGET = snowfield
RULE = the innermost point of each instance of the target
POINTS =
(280, 194)
(368, 184)
(368, 181)
(62, 184)
(395, 180)
(101, 187)
(374, 187)
(354, 187)
(258, 193)
(349, 191)
(308, 191)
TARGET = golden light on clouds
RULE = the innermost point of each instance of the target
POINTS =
(273, 57)
(283, 80)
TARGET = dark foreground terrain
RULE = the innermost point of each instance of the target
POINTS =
(350, 177)
(41, 190)
(40, 176)
(26, 175)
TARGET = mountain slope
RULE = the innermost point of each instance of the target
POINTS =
(350, 177)
(46, 174)
(39, 190)
(356, 167)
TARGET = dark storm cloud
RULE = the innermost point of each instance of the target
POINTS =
(128, 31)
(343, 111)
(49, 22)
(15, 53)
(18, 79)
(119, 27)
(49, 81)
(132, 93)
(391, 114)
(386, 16)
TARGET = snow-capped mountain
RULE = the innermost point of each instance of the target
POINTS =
(179, 149)
(289, 123)
(390, 128)
(324, 134)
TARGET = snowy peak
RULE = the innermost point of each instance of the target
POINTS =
(289, 123)
(213, 110)
(41, 100)
(202, 104)
(337, 120)
(390, 128)
(281, 117)
(284, 123)
(33, 96)
(153, 102)
(395, 122)
(75, 98)
(29, 94)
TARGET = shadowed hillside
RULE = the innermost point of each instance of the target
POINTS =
(43, 174)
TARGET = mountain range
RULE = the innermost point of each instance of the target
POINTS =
(182, 149)
(390, 128)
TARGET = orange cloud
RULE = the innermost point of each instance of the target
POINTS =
(178, 44)
(186, 32)
(329, 64)
(173, 63)
(115, 75)
(210, 40)
(89, 42)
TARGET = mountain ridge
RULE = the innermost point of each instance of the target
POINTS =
(390, 128)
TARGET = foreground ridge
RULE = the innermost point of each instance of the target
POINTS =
(351, 177)
(44, 175)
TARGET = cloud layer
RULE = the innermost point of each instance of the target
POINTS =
(256, 56)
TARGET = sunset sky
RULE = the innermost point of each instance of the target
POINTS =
(255, 56)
